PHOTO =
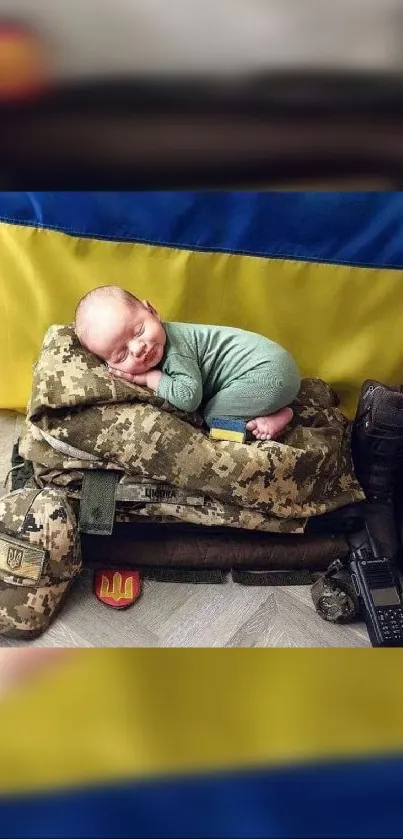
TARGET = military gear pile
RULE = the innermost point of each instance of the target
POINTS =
(81, 418)
(163, 467)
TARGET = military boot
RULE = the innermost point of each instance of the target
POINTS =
(377, 452)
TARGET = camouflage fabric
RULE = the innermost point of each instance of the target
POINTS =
(80, 418)
(39, 558)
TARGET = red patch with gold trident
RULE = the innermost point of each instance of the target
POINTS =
(118, 589)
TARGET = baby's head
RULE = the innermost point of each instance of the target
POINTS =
(125, 332)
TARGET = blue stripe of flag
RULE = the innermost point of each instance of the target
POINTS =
(361, 798)
(356, 228)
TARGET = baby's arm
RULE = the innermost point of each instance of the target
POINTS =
(182, 387)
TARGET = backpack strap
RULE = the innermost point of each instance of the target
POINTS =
(98, 502)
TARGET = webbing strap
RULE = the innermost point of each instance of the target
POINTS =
(98, 501)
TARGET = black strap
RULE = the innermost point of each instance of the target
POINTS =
(250, 577)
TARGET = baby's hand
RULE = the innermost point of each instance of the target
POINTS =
(153, 379)
(141, 379)
(150, 379)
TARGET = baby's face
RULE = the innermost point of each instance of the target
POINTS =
(130, 339)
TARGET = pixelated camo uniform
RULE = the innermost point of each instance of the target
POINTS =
(81, 418)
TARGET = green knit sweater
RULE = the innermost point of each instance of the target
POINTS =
(199, 361)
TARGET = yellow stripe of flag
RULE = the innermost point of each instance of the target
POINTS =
(120, 714)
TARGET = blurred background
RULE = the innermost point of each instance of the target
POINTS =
(210, 37)
(203, 93)
(200, 93)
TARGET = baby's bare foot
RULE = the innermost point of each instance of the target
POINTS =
(269, 427)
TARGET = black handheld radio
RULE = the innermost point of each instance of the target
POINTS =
(376, 582)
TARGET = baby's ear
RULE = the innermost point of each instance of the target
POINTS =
(151, 308)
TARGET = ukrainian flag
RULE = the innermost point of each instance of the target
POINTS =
(209, 743)
(321, 273)
(206, 743)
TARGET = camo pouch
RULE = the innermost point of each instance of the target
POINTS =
(40, 556)
(334, 596)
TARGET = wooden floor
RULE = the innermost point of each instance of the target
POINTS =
(184, 615)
